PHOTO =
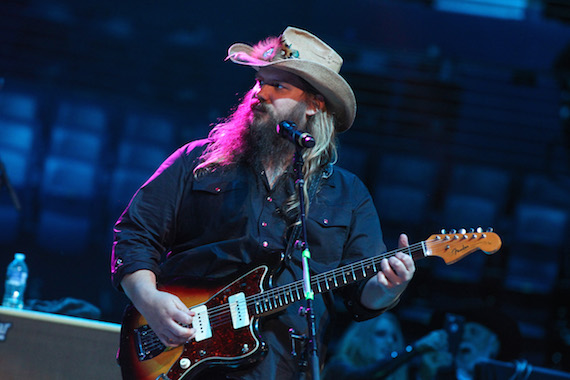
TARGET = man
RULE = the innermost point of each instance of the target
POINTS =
(221, 205)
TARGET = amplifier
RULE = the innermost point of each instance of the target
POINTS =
(35, 345)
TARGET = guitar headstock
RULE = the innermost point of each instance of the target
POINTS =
(454, 246)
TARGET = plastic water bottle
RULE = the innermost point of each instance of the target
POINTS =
(16, 278)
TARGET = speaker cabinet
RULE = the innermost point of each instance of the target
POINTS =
(45, 346)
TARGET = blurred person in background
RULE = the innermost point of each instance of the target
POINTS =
(479, 333)
(376, 349)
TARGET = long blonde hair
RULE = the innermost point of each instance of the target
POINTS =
(228, 138)
(357, 346)
(321, 127)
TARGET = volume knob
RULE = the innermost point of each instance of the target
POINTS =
(184, 363)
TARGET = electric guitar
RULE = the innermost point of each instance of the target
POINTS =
(227, 315)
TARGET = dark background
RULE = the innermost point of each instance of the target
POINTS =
(463, 121)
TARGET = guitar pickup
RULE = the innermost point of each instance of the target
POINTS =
(238, 309)
(201, 322)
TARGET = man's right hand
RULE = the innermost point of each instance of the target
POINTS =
(165, 313)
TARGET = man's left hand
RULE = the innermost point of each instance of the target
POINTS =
(386, 287)
(397, 271)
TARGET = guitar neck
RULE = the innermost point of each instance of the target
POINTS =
(276, 299)
(361, 270)
(450, 247)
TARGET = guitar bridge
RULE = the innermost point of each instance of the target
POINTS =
(147, 343)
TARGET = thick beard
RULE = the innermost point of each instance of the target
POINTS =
(263, 143)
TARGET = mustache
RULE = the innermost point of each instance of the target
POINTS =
(259, 106)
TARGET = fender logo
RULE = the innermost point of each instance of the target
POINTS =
(455, 251)
(4, 327)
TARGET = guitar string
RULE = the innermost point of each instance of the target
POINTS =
(273, 295)
(295, 291)
(219, 315)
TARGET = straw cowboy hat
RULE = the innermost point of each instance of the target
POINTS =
(302, 53)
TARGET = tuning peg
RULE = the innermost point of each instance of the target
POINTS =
(463, 231)
(453, 231)
(443, 231)
(490, 229)
(479, 229)
(472, 230)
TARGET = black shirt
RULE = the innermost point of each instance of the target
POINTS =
(219, 224)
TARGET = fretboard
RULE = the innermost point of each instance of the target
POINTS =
(275, 299)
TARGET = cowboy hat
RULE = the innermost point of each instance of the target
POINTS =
(305, 55)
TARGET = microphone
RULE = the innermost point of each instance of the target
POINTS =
(288, 130)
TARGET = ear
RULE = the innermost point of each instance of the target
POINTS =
(494, 346)
(316, 104)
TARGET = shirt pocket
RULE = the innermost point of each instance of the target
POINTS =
(215, 208)
(327, 232)
(220, 187)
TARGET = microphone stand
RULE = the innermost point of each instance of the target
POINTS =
(4, 181)
(303, 245)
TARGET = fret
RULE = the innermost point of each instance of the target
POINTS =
(280, 297)
(330, 280)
